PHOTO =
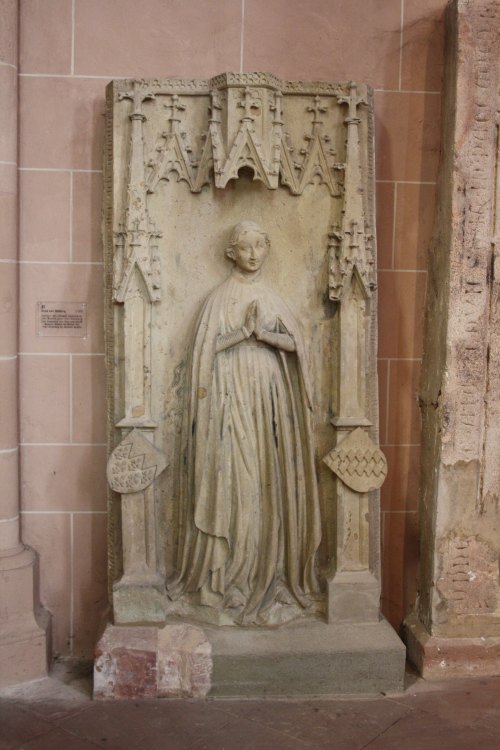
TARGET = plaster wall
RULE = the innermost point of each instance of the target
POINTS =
(69, 50)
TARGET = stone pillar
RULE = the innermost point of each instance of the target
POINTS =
(357, 461)
(455, 628)
(139, 595)
(23, 624)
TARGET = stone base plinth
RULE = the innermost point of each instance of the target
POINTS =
(353, 597)
(311, 658)
(437, 658)
(24, 625)
(139, 602)
(151, 662)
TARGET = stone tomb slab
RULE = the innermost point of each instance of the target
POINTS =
(241, 319)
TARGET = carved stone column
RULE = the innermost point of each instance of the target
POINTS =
(23, 624)
(139, 594)
(359, 465)
(456, 625)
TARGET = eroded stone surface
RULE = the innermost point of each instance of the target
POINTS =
(358, 462)
(240, 531)
(126, 663)
(469, 576)
(147, 662)
(134, 464)
(184, 661)
(438, 658)
(460, 518)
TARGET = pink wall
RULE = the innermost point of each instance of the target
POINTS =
(69, 50)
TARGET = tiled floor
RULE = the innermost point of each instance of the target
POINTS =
(57, 714)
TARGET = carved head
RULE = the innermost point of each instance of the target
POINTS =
(248, 247)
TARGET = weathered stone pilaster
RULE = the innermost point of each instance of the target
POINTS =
(458, 610)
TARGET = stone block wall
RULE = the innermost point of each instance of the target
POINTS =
(69, 50)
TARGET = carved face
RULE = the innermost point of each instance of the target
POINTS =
(250, 252)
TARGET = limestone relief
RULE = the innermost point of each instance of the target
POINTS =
(250, 523)
(223, 509)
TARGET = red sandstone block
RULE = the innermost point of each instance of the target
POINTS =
(184, 662)
(323, 39)
(67, 131)
(401, 314)
(125, 663)
(185, 39)
(64, 477)
(150, 662)
(423, 45)
(45, 36)
(408, 136)
(440, 658)
(90, 580)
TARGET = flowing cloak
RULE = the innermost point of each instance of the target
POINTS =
(275, 499)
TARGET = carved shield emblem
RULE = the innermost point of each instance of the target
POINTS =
(358, 462)
(134, 464)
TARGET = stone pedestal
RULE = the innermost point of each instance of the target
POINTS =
(437, 658)
(184, 660)
(307, 659)
(353, 596)
(456, 625)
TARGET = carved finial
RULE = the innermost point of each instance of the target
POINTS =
(138, 95)
(318, 110)
(215, 107)
(276, 108)
(248, 102)
(353, 100)
(175, 108)
(176, 104)
(334, 236)
(354, 243)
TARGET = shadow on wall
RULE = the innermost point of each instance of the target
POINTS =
(422, 68)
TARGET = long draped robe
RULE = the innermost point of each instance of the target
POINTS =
(249, 523)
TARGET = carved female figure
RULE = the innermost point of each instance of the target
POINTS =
(249, 519)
